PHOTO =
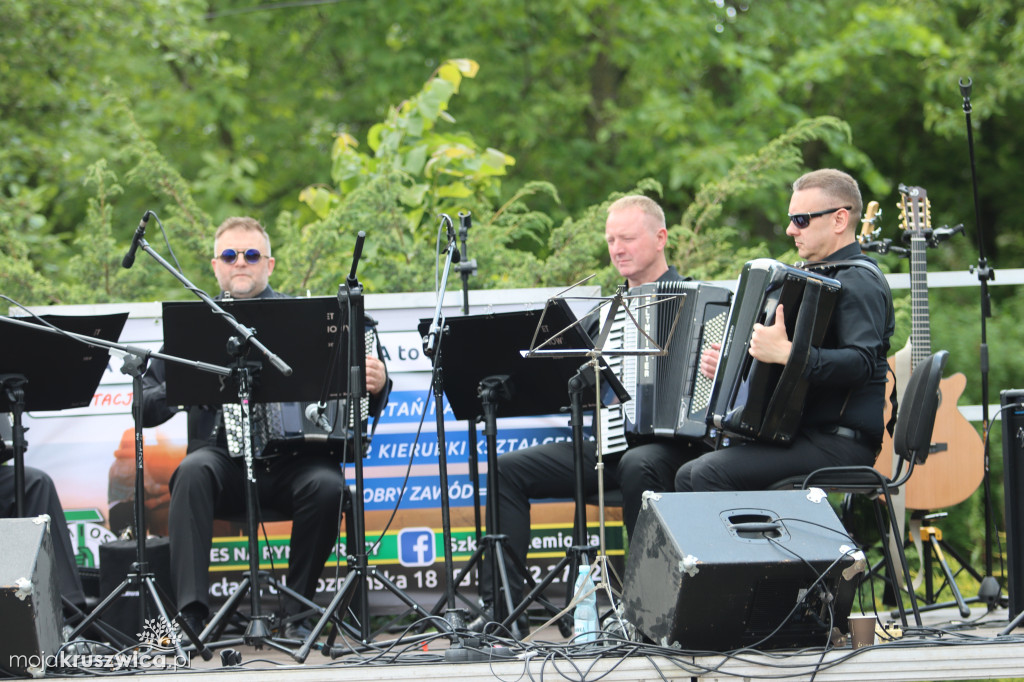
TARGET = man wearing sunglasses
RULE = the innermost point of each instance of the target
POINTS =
(209, 482)
(843, 414)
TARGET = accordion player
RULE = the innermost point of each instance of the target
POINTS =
(761, 401)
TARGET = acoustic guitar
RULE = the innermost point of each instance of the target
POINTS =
(955, 467)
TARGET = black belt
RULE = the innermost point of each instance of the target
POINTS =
(854, 435)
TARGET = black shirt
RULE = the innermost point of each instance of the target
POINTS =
(847, 373)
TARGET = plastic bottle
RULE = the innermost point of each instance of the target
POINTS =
(585, 625)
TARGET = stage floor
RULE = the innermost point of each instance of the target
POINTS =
(947, 648)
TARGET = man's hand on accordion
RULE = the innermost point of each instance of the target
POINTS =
(709, 360)
(770, 344)
(376, 375)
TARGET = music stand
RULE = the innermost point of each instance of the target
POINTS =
(306, 330)
(496, 377)
(556, 346)
(75, 387)
(60, 373)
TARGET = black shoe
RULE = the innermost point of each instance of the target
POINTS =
(194, 623)
(298, 630)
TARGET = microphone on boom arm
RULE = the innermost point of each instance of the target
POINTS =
(140, 231)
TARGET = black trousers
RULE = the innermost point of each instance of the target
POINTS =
(758, 466)
(210, 484)
(41, 498)
(546, 472)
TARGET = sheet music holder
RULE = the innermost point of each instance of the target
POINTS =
(553, 346)
(303, 330)
(42, 369)
(62, 373)
(490, 344)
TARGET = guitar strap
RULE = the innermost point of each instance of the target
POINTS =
(867, 264)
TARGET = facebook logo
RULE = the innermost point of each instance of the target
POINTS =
(416, 547)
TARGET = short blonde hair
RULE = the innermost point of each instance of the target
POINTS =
(650, 208)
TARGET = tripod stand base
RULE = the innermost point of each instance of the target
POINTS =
(361, 571)
(258, 632)
(147, 588)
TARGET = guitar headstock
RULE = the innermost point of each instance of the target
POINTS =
(869, 231)
(915, 211)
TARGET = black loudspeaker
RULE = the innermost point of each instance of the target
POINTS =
(30, 614)
(116, 559)
(721, 571)
(1012, 402)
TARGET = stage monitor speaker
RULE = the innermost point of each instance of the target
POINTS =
(725, 570)
(30, 614)
(1013, 487)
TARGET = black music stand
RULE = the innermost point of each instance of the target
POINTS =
(73, 384)
(43, 371)
(306, 329)
(494, 376)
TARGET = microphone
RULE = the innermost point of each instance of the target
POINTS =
(357, 253)
(315, 414)
(129, 258)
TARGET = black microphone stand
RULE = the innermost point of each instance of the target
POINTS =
(360, 571)
(454, 617)
(463, 265)
(466, 267)
(989, 590)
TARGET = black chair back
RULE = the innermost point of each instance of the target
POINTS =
(915, 422)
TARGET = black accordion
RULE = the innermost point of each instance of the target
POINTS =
(764, 401)
(285, 429)
(670, 396)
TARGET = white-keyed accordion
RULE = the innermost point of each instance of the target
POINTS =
(670, 396)
(764, 401)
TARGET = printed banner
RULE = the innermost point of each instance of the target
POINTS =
(89, 452)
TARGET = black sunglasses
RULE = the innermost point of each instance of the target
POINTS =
(252, 256)
(802, 220)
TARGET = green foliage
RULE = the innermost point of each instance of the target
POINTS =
(19, 227)
(200, 113)
(414, 170)
(705, 252)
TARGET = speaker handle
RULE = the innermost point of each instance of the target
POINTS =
(756, 527)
